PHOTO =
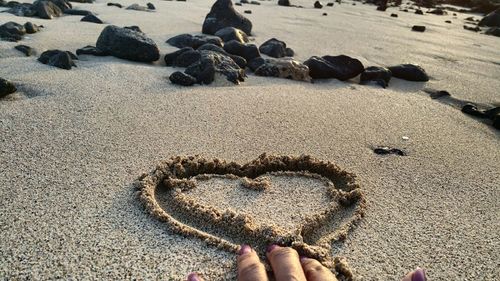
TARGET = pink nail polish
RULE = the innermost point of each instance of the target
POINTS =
(418, 275)
(271, 247)
(193, 277)
(245, 249)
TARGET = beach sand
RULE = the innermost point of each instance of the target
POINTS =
(73, 143)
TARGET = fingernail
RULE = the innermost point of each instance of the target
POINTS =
(418, 275)
(271, 247)
(193, 277)
(245, 249)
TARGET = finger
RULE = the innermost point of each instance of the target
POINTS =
(315, 271)
(285, 263)
(249, 266)
(416, 275)
(194, 277)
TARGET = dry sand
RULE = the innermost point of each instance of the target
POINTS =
(73, 142)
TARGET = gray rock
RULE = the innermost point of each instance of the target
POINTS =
(31, 28)
(92, 18)
(6, 88)
(90, 50)
(285, 3)
(193, 41)
(318, 5)
(495, 31)
(28, 51)
(137, 7)
(115, 4)
(410, 72)
(182, 79)
(170, 59)
(76, 12)
(151, 6)
(46, 9)
(222, 14)
(230, 33)
(12, 31)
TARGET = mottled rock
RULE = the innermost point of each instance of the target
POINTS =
(127, 44)
(418, 28)
(340, 67)
(318, 5)
(22, 9)
(57, 58)
(6, 88)
(379, 75)
(284, 68)
(193, 41)
(90, 50)
(134, 28)
(276, 48)
(492, 19)
(46, 9)
(230, 33)
(223, 14)
(92, 18)
(410, 72)
(247, 51)
(182, 79)
(27, 50)
(212, 64)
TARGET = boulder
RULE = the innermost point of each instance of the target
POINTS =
(410, 72)
(57, 58)
(223, 14)
(90, 50)
(491, 20)
(339, 67)
(194, 41)
(28, 51)
(284, 68)
(376, 74)
(46, 9)
(275, 48)
(182, 79)
(212, 63)
(230, 33)
(247, 51)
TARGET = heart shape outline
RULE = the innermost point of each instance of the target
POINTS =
(177, 174)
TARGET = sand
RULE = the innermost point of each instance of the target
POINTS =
(73, 143)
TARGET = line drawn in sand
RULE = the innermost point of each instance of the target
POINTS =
(175, 193)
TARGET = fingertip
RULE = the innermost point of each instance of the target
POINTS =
(244, 249)
(418, 275)
(271, 248)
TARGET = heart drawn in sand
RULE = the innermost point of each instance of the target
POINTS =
(173, 194)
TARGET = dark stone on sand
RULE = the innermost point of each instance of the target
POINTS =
(247, 11)
(31, 28)
(491, 20)
(472, 28)
(471, 109)
(211, 63)
(275, 48)
(230, 33)
(496, 122)
(285, 3)
(90, 50)
(57, 58)
(187, 58)
(182, 79)
(284, 68)
(384, 150)
(151, 6)
(247, 51)
(244, 2)
(405, 10)
(127, 44)
(12, 31)
(394, 15)
(92, 18)
(340, 67)
(382, 8)
(171, 57)
(447, 21)
(134, 28)
(62, 4)
(419, 12)
(27, 50)
(418, 28)
(83, 1)
(46, 9)
(222, 14)
(77, 12)
(439, 94)
(495, 31)
(470, 19)
(115, 4)
(410, 72)
(439, 12)
(256, 63)
(193, 41)
(254, 3)
(137, 7)
(329, 4)
(492, 113)
(240, 61)
(6, 88)
(325, 14)
(318, 5)
(379, 75)
(238, 4)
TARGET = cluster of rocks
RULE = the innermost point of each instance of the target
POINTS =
(6, 87)
(14, 32)
(45, 9)
(492, 114)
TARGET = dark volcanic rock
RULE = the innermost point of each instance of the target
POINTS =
(127, 44)
(285, 3)
(379, 75)
(472, 28)
(193, 41)
(325, 14)
(394, 15)
(284, 68)
(419, 28)
(171, 57)
(90, 50)
(419, 12)
(247, 11)
(410, 72)
(92, 18)
(62, 4)
(223, 15)
(31, 28)
(187, 58)
(151, 6)
(21, 10)
(318, 5)
(212, 63)
(496, 122)
(76, 12)
(6, 88)
(182, 79)
(339, 67)
(28, 51)
(230, 33)
(491, 20)
(12, 31)
(439, 12)
(254, 3)
(57, 58)
(384, 150)
(495, 31)
(134, 28)
(276, 48)
(255, 63)
(46, 9)
(137, 7)
(240, 61)
(247, 51)
(329, 4)
(115, 4)
(471, 109)
(447, 21)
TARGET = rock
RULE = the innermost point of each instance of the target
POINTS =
(83, 1)
(21, 10)
(330, 4)
(12, 31)
(247, 51)
(238, 4)
(284, 68)
(325, 14)
(471, 109)
(384, 150)
(318, 5)
(379, 75)
(230, 33)
(31, 27)
(62, 4)
(491, 20)
(28, 51)
(470, 19)
(340, 67)
(285, 3)
(223, 15)
(418, 28)
(76, 12)
(382, 8)
(115, 4)
(256, 63)
(151, 6)
(90, 50)
(247, 11)
(212, 63)
(57, 58)
(492, 112)
(137, 7)
(495, 31)
(394, 15)
(439, 94)
(496, 122)
(193, 41)
(254, 2)
(410, 72)
(134, 28)
(471, 28)
(46, 9)
(171, 57)
(240, 61)
(439, 12)
(187, 58)
(244, 2)
(447, 21)
(91, 18)
(276, 48)
(6, 88)
(127, 44)
(182, 79)
(419, 12)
